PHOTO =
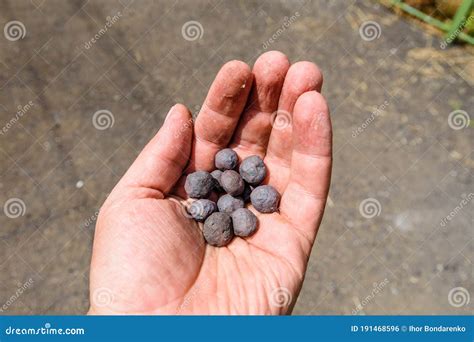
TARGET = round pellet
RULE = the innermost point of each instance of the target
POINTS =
(226, 159)
(199, 184)
(201, 209)
(228, 203)
(265, 199)
(253, 170)
(217, 174)
(232, 183)
(244, 222)
(218, 230)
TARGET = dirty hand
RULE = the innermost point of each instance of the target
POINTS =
(150, 258)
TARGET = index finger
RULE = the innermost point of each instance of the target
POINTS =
(220, 114)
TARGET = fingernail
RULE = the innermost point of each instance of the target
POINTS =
(169, 113)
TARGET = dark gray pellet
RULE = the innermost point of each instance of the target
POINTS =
(226, 159)
(218, 230)
(244, 222)
(199, 184)
(201, 209)
(265, 199)
(232, 183)
(216, 174)
(228, 203)
(253, 170)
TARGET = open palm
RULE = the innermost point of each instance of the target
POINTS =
(149, 257)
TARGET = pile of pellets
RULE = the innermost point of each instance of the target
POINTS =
(229, 217)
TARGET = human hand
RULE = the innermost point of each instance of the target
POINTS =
(150, 258)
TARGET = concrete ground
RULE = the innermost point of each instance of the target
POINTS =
(397, 234)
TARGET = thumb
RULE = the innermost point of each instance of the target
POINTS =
(163, 159)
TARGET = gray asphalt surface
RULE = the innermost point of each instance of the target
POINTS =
(397, 233)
